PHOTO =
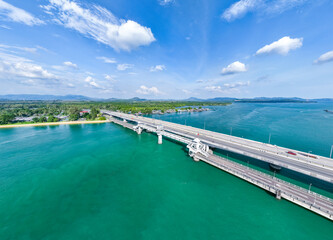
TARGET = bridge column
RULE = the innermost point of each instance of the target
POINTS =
(159, 131)
(159, 138)
(139, 130)
(278, 194)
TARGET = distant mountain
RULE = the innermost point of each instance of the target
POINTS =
(136, 99)
(324, 100)
(36, 97)
(219, 99)
(193, 99)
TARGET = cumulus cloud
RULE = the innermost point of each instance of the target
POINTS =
(107, 60)
(268, 7)
(282, 46)
(70, 64)
(227, 87)
(148, 91)
(157, 68)
(100, 24)
(14, 14)
(326, 57)
(235, 67)
(124, 66)
(15, 66)
(91, 81)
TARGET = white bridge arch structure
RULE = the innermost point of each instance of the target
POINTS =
(197, 147)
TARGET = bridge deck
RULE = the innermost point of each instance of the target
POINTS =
(300, 196)
(318, 167)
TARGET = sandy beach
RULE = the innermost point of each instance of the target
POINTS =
(52, 124)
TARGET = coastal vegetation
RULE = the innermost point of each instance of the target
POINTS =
(53, 111)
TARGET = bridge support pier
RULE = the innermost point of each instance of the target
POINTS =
(278, 194)
(159, 138)
(139, 130)
(159, 131)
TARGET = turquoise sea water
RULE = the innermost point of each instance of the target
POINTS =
(106, 182)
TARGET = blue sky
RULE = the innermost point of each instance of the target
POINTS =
(161, 49)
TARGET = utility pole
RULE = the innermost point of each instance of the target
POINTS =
(331, 151)
(309, 187)
(269, 139)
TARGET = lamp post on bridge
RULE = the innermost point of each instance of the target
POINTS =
(269, 139)
(309, 187)
(331, 151)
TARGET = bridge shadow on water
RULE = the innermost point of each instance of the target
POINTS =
(302, 180)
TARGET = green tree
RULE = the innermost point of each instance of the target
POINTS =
(6, 118)
(42, 119)
(74, 116)
(52, 118)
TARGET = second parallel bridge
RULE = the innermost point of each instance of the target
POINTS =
(199, 151)
(315, 166)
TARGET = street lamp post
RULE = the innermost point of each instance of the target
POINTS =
(310, 187)
(331, 151)
(269, 139)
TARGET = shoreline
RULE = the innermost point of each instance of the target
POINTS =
(53, 124)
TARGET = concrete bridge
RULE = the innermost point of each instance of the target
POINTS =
(199, 143)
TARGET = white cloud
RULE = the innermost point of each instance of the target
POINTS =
(5, 27)
(165, 2)
(100, 24)
(186, 91)
(326, 57)
(12, 13)
(268, 7)
(15, 66)
(239, 9)
(70, 64)
(110, 78)
(148, 91)
(214, 88)
(124, 66)
(10, 48)
(107, 60)
(235, 67)
(91, 81)
(157, 68)
(282, 46)
(227, 87)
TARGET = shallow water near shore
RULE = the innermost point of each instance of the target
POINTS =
(102, 181)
